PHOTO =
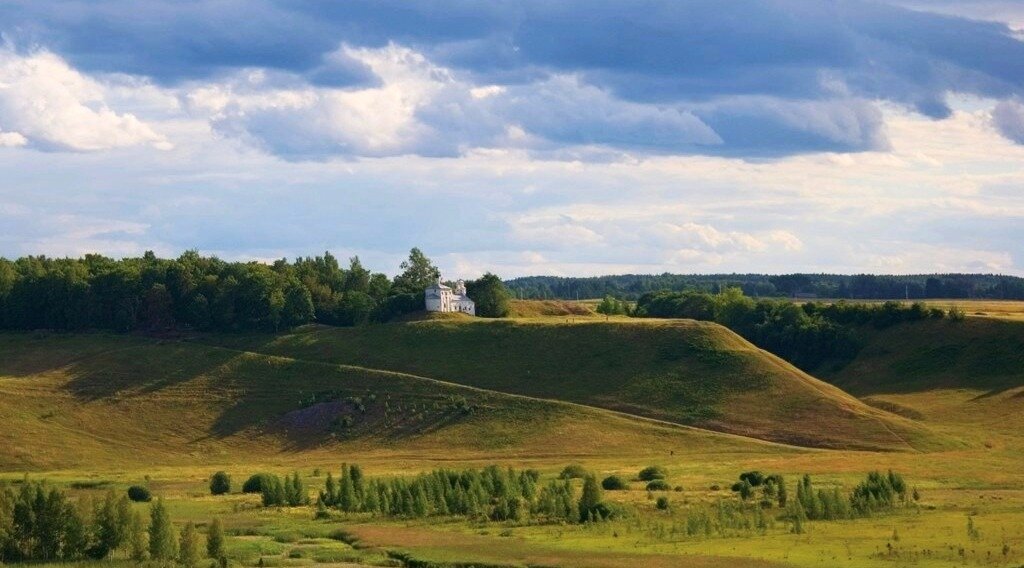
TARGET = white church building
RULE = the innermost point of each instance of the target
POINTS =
(441, 298)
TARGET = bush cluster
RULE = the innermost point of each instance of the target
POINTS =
(139, 494)
(488, 494)
(220, 483)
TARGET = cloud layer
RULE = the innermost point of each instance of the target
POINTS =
(751, 78)
(521, 136)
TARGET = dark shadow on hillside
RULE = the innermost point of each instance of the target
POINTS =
(304, 405)
(25, 354)
(978, 354)
(141, 369)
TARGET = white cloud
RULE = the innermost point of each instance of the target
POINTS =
(53, 106)
(421, 108)
(12, 139)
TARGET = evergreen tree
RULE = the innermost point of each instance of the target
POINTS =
(347, 491)
(590, 499)
(138, 539)
(215, 539)
(163, 544)
(330, 494)
(76, 535)
(188, 554)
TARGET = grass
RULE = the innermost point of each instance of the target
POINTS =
(685, 372)
(163, 403)
(99, 412)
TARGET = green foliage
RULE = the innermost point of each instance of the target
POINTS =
(206, 293)
(650, 473)
(614, 483)
(111, 518)
(878, 492)
(188, 549)
(488, 494)
(806, 335)
(662, 503)
(163, 543)
(256, 482)
(215, 539)
(220, 483)
(139, 494)
(613, 307)
(418, 272)
(590, 503)
(276, 492)
(864, 286)
(755, 478)
(39, 523)
(490, 295)
(658, 485)
(138, 539)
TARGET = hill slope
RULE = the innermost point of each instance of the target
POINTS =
(966, 377)
(682, 371)
(86, 400)
(982, 354)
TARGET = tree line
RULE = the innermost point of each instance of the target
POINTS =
(206, 293)
(835, 286)
(43, 524)
(488, 494)
(807, 335)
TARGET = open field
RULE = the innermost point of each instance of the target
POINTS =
(97, 412)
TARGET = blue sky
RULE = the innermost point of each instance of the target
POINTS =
(527, 137)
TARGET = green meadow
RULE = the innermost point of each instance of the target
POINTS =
(939, 402)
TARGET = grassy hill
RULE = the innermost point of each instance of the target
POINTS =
(977, 353)
(964, 377)
(72, 401)
(681, 371)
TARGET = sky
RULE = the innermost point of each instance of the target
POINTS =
(564, 137)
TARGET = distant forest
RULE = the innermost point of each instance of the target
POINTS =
(205, 293)
(859, 287)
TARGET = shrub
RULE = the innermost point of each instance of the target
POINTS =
(139, 494)
(658, 485)
(220, 483)
(255, 483)
(755, 478)
(614, 483)
(650, 473)
(574, 471)
(677, 488)
(661, 503)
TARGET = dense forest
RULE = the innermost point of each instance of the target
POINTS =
(808, 335)
(838, 286)
(206, 293)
